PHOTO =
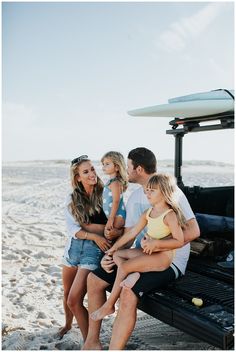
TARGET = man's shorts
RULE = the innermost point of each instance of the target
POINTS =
(146, 283)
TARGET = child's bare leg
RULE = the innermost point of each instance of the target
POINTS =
(125, 254)
(122, 258)
(130, 280)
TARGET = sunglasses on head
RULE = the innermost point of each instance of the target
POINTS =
(79, 159)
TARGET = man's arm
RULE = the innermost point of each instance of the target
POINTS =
(191, 231)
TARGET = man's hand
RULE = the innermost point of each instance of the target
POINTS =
(107, 263)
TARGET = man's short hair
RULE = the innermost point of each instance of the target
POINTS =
(145, 158)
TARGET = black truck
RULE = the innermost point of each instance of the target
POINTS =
(210, 270)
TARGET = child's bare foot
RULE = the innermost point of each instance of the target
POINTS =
(100, 313)
(130, 281)
(62, 331)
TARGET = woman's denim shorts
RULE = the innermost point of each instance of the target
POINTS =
(83, 253)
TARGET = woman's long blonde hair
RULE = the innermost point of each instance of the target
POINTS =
(167, 185)
(119, 161)
(82, 205)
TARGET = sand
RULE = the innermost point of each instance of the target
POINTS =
(32, 245)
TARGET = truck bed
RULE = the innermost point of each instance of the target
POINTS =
(212, 323)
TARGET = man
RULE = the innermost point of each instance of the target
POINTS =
(141, 165)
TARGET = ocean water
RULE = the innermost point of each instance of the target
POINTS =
(198, 173)
(35, 191)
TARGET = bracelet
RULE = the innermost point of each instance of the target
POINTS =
(86, 235)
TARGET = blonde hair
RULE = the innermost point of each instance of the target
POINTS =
(119, 161)
(167, 185)
(83, 206)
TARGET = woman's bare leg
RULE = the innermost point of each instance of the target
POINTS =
(142, 263)
(68, 275)
(96, 297)
(76, 298)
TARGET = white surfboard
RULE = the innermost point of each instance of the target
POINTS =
(220, 94)
(187, 109)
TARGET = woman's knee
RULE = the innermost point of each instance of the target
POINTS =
(70, 301)
(74, 301)
(94, 283)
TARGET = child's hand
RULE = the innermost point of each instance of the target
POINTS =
(144, 240)
(111, 251)
(112, 234)
(109, 224)
(148, 244)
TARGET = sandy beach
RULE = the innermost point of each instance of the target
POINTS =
(32, 245)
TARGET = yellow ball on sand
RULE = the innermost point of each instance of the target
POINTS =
(197, 302)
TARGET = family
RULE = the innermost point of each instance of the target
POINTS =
(134, 248)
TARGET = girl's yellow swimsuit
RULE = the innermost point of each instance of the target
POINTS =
(156, 227)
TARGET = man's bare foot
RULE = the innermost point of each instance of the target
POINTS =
(130, 281)
(62, 331)
(92, 346)
(100, 313)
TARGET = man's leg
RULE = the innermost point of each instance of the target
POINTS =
(96, 291)
(125, 320)
(126, 315)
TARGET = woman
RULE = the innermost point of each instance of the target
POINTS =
(84, 249)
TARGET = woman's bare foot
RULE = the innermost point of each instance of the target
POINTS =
(94, 346)
(62, 331)
(100, 313)
(130, 281)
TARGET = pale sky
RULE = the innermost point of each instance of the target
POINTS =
(71, 71)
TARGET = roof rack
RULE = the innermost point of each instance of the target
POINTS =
(180, 127)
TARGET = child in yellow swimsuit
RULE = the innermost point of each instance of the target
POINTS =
(163, 219)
